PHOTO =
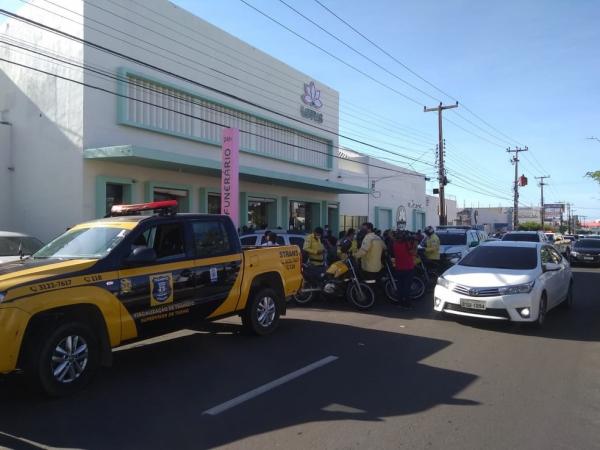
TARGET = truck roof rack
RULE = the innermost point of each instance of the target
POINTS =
(163, 208)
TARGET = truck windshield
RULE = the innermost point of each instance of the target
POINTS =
(453, 238)
(88, 243)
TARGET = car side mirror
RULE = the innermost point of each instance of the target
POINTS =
(141, 256)
(551, 267)
(474, 244)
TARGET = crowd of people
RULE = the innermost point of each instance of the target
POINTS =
(371, 246)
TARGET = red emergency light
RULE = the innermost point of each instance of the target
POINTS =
(168, 206)
(522, 180)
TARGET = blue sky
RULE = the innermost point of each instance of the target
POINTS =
(529, 68)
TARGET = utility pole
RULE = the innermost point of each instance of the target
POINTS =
(442, 180)
(515, 161)
(569, 217)
(542, 209)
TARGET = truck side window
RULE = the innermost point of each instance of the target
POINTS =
(166, 239)
(210, 238)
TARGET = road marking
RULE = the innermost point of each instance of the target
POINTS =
(267, 387)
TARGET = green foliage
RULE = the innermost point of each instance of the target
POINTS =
(530, 226)
(595, 175)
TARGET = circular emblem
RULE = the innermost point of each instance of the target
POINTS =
(474, 292)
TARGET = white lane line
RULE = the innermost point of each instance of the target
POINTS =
(267, 387)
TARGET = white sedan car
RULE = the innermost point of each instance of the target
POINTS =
(504, 280)
(14, 246)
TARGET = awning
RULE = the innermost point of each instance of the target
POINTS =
(159, 159)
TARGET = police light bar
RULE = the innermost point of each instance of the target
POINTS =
(123, 210)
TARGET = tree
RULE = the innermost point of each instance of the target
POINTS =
(595, 175)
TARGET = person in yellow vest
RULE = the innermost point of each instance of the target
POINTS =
(370, 253)
(314, 248)
(432, 245)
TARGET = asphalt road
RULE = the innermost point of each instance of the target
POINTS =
(382, 380)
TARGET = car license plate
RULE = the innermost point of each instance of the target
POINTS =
(472, 304)
(588, 258)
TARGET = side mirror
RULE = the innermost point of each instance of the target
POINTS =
(141, 256)
(474, 244)
(551, 267)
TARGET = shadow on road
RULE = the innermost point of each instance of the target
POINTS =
(154, 395)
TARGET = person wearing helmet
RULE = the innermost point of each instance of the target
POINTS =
(432, 245)
(314, 248)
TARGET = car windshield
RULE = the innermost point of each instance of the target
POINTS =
(10, 245)
(92, 243)
(513, 258)
(453, 238)
(521, 237)
(587, 243)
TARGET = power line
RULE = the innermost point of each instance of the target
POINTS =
(108, 91)
(388, 54)
(188, 80)
(327, 52)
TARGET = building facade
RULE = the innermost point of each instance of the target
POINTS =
(113, 129)
(395, 199)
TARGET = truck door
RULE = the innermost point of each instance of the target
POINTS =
(217, 266)
(160, 293)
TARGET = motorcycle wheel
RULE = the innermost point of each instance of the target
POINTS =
(417, 288)
(303, 298)
(364, 298)
(390, 292)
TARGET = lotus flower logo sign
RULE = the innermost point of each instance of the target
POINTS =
(312, 96)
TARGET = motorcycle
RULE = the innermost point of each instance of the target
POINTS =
(340, 279)
(417, 286)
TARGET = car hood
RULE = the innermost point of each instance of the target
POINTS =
(484, 277)
(32, 270)
(5, 259)
(449, 249)
(588, 250)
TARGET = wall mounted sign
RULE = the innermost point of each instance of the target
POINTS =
(312, 99)
(230, 174)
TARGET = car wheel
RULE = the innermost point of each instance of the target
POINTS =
(64, 359)
(262, 314)
(568, 301)
(543, 310)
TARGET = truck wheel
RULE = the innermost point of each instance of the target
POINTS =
(63, 360)
(262, 315)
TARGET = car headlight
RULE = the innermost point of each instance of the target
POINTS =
(454, 255)
(441, 281)
(517, 289)
(574, 253)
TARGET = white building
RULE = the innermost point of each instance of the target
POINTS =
(68, 150)
(396, 195)
(433, 210)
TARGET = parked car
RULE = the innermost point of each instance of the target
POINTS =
(120, 279)
(283, 238)
(586, 251)
(525, 236)
(14, 246)
(457, 242)
(506, 280)
(570, 237)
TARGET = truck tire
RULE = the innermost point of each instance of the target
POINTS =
(63, 359)
(261, 316)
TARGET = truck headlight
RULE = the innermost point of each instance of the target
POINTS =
(517, 289)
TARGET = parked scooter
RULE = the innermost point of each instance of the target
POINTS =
(341, 279)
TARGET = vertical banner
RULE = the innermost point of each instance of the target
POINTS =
(230, 174)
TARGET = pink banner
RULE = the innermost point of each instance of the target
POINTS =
(230, 175)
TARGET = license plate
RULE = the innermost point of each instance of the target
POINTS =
(588, 258)
(472, 304)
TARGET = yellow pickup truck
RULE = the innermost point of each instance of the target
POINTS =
(111, 281)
